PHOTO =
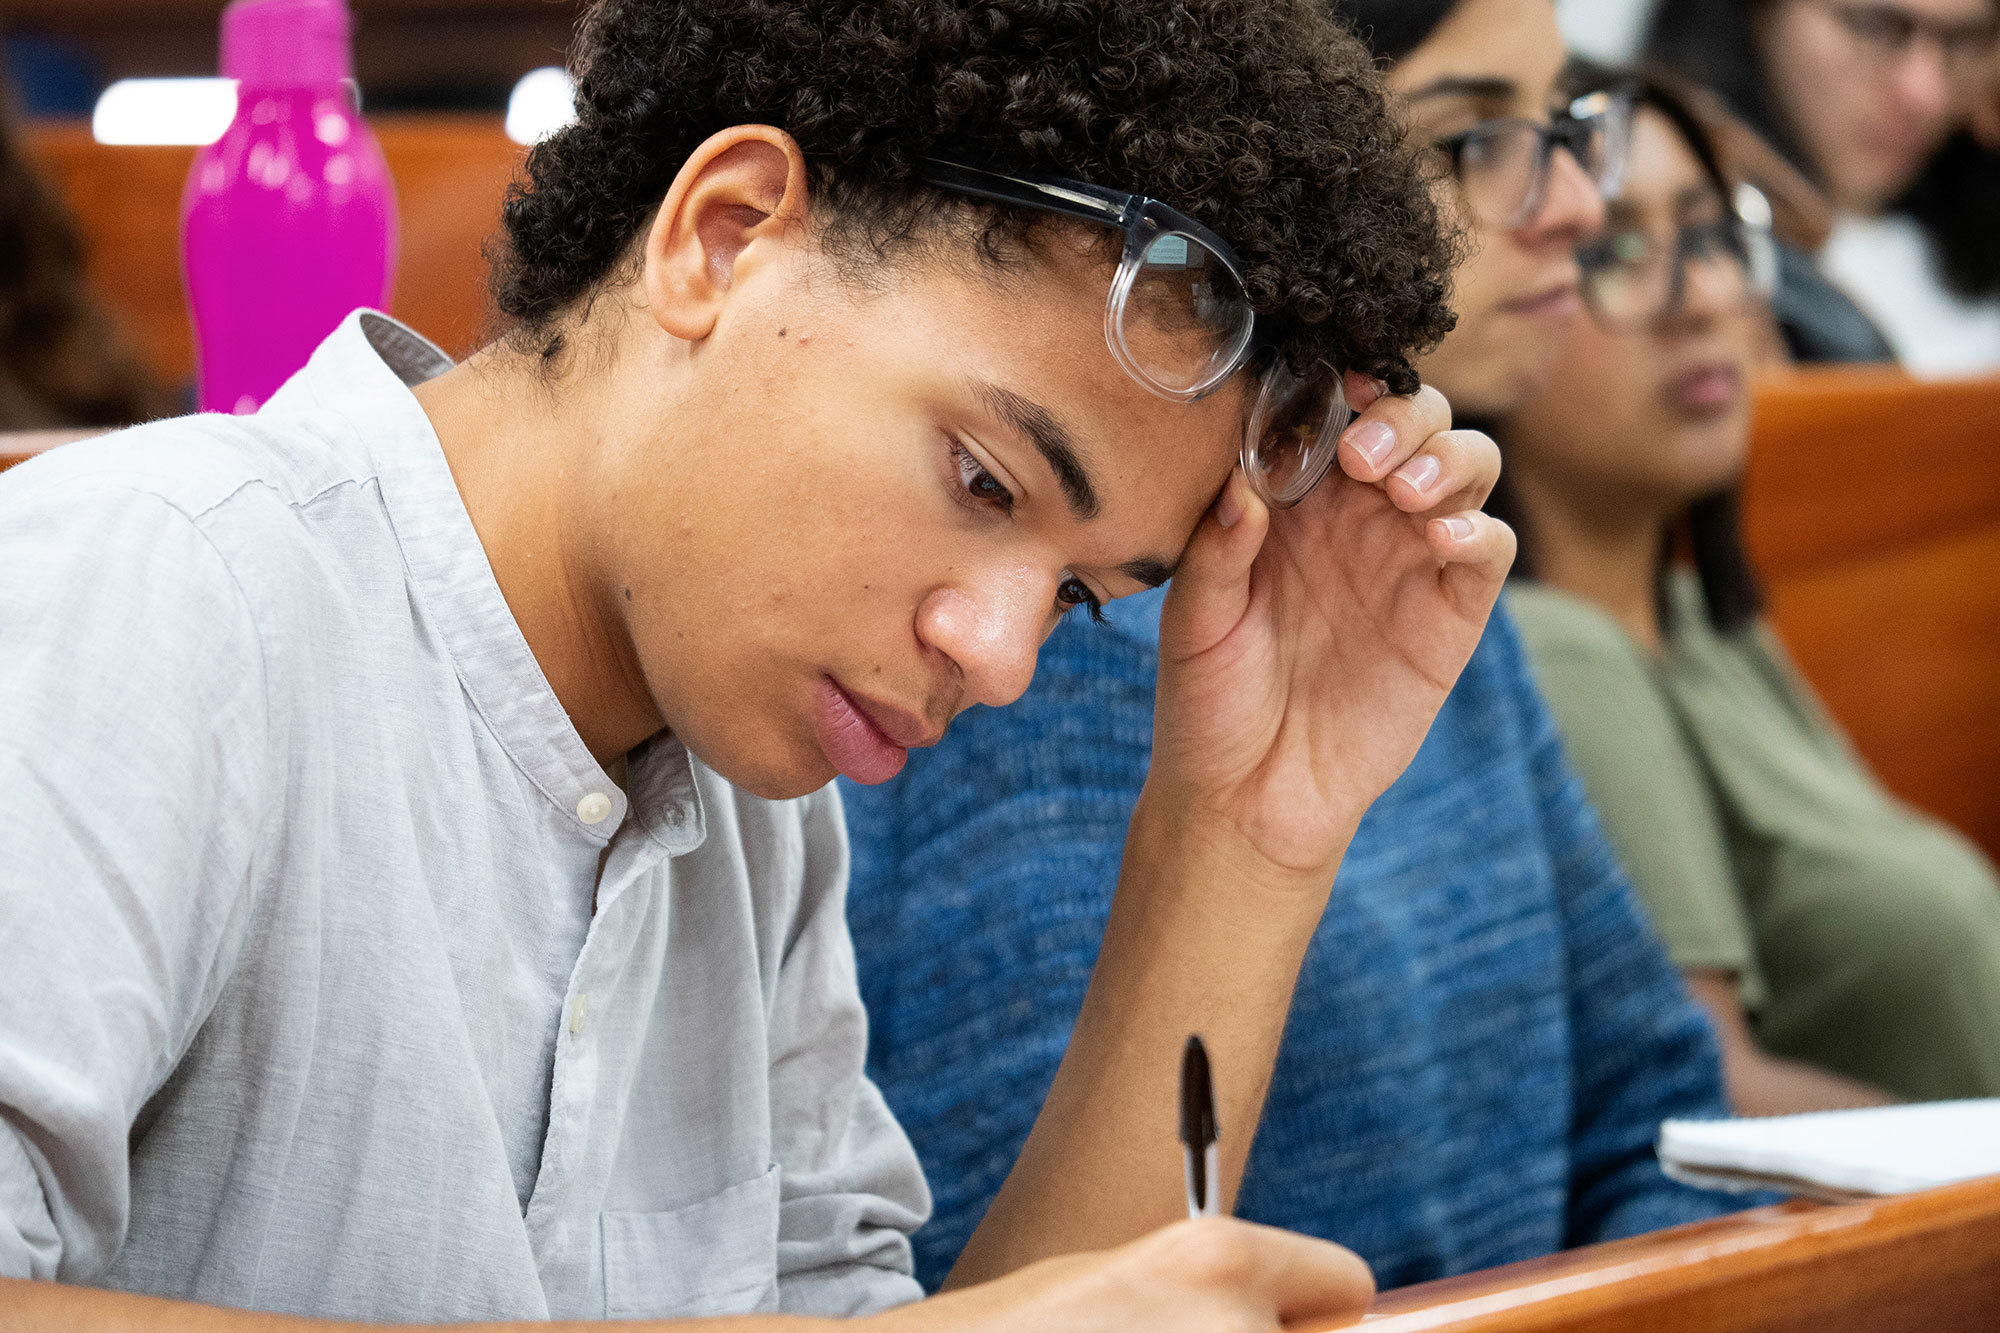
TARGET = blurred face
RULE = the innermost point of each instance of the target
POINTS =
(1516, 294)
(1870, 88)
(892, 497)
(1658, 415)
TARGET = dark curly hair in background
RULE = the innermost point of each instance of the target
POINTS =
(63, 359)
(1264, 119)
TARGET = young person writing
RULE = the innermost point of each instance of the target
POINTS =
(422, 896)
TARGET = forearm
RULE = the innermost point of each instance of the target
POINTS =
(1195, 942)
(1764, 1084)
(36, 1307)
(1758, 1082)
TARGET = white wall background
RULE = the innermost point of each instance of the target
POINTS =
(1608, 30)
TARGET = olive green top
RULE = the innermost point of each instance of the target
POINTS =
(1864, 935)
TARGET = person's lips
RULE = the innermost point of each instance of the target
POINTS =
(1557, 299)
(865, 739)
(1711, 386)
(907, 729)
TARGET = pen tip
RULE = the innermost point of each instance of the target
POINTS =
(1198, 1128)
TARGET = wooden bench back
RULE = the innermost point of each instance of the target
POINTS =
(450, 173)
(1873, 510)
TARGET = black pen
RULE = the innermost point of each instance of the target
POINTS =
(1202, 1162)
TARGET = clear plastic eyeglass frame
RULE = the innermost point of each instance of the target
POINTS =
(1293, 429)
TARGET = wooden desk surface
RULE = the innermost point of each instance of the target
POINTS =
(1922, 1262)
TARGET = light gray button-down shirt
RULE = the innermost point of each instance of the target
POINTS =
(303, 1006)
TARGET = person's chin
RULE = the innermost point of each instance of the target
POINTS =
(773, 768)
(1510, 384)
(782, 781)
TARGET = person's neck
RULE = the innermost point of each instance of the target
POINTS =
(1614, 565)
(515, 447)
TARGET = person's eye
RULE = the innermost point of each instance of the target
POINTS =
(977, 486)
(1619, 249)
(1708, 239)
(1879, 25)
(1074, 592)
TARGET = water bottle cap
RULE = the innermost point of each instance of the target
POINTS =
(287, 43)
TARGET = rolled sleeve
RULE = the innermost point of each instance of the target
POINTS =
(851, 1190)
(132, 713)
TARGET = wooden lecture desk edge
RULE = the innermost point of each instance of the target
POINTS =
(1927, 1261)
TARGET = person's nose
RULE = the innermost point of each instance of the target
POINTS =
(991, 630)
(1710, 290)
(1572, 205)
(1921, 81)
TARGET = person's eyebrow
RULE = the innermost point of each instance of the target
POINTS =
(1487, 87)
(1051, 440)
(1149, 571)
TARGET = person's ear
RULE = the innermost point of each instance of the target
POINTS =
(738, 200)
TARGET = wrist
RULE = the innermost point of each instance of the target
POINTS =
(1185, 841)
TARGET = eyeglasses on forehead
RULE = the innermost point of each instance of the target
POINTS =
(1178, 320)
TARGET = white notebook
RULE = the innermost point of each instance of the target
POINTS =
(1876, 1150)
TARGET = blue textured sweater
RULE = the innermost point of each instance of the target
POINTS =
(1485, 1035)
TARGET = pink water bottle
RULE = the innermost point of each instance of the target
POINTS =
(289, 219)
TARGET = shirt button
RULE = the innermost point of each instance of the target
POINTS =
(579, 1013)
(593, 808)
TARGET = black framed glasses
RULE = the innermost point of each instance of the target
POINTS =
(1502, 166)
(1633, 278)
(1178, 319)
(1885, 34)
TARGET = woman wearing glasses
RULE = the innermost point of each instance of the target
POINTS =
(1861, 94)
(1477, 80)
(1847, 946)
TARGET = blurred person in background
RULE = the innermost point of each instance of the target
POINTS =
(63, 362)
(1847, 945)
(1485, 1035)
(1957, 203)
(1862, 94)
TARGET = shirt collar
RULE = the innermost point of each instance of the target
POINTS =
(364, 372)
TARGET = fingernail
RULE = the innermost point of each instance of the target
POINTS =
(1229, 509)
(1381, 388)
(1420, 472)
(1375, 439)
(1458, 529)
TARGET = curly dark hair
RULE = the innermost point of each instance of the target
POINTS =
(1264, 119)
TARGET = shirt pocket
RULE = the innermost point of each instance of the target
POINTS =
(713, 1257)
